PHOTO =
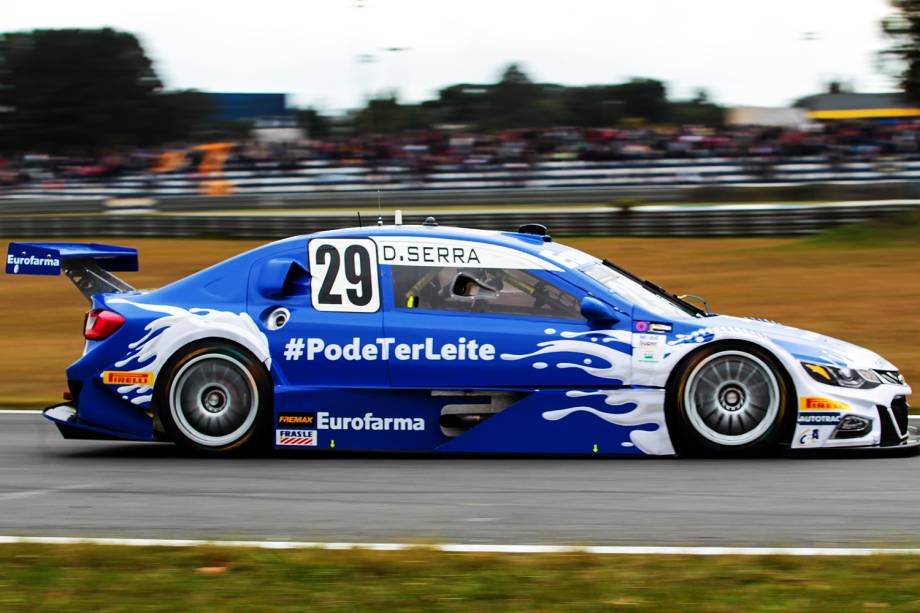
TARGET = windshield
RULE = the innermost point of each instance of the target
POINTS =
(633, 291)
(624, 284)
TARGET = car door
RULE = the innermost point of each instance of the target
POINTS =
(463, 327)
(327, 292)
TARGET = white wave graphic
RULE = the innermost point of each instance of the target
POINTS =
(618, 361)
(179, 327)
(623, 336)
(649, 411)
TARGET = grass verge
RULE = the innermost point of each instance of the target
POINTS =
(105, 578)
(900, 229)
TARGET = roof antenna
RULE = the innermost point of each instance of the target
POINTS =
(358, 213)
(379, 209)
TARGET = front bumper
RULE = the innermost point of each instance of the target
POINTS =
(910, 447)
(899, 436)
(836, 418)
(64, 416)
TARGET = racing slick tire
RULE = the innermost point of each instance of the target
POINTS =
(214, 397)
(730, 400)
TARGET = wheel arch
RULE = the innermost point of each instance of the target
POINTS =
(161, 383)
(673, 383)
(204, 341)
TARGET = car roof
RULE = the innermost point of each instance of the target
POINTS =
(533, 244)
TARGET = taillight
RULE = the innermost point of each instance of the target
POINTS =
(101, 324)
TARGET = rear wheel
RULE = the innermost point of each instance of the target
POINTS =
(214, 398)
(729, 400)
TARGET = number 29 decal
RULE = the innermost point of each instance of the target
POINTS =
(344, 275)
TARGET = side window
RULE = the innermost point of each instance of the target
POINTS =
(480, 290)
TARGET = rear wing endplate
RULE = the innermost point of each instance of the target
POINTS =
(88, 265)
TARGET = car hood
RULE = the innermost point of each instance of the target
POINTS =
(803, 344)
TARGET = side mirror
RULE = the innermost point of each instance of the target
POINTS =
(281, 277)
(594, 310)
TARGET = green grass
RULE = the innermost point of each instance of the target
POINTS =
(77, 578)
(900, 229)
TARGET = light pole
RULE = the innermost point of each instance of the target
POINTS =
(405, 71)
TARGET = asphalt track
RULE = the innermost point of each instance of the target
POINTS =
(53, 487)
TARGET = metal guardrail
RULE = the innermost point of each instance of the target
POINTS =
(688, 221)
(522, 196)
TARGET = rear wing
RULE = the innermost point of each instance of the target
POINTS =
(88, 265)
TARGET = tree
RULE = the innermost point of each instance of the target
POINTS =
(386, 116)
(511, 100)
(67, 90)
(313, 123)
(903, 29)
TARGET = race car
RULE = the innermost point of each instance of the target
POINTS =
(437, 339)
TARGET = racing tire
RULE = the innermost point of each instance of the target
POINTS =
(730, 400)
(214, 398)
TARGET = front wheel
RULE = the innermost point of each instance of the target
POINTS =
(729, 400)
(214, 398)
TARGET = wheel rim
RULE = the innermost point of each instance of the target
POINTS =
(732, 398)
(213, 400)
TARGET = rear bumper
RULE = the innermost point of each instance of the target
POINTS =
(64, 416)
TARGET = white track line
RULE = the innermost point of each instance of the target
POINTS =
(466, 547)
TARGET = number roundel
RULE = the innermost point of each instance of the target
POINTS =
(344, 275)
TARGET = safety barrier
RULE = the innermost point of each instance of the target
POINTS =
(348, 202)
(660, 220)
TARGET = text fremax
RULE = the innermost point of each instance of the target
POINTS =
(385, 348)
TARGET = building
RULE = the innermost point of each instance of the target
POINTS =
(781, 117)
(232, 106)
(848, 105)
(271, 119)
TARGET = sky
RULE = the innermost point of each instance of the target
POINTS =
(332, 54)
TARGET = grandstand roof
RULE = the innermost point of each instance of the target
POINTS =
(848, 105)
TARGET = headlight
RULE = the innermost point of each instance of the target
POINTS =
(860, 378)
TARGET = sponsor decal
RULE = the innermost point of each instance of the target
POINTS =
(296, 420)
(809, 436)
(295, 438)
(819, 419)
(31, 260)
(32, 264)
(369, 421)
(822, 404)
(386, 348)
(649, 348)
(122, 377)
(657, 327)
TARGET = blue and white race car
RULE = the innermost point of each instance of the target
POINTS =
(439, 339)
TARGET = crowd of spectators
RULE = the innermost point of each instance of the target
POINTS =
(450, 150)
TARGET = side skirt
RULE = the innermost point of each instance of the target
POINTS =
(625, 421)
